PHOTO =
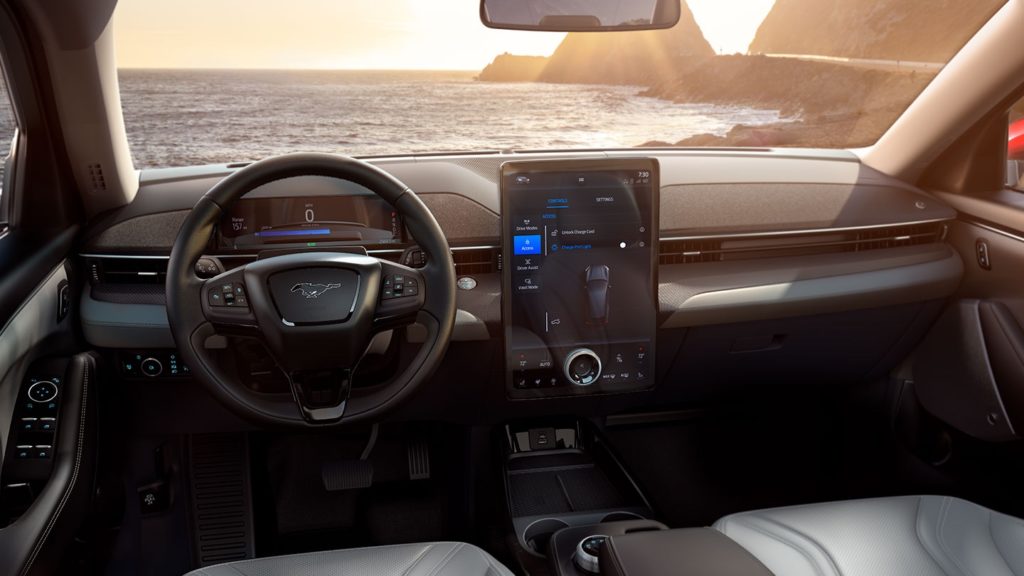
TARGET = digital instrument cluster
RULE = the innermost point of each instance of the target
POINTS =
(579, 282)
(310, 220)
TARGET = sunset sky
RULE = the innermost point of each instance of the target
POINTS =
(356, 34)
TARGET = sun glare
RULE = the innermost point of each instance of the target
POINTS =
(357, 34)
(730, 25)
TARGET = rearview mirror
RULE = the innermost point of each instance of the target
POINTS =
(579, 15)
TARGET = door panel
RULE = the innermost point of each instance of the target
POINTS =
(47, 444)
(969, 371)
(34, 322)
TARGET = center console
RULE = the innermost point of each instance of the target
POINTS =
(580, 303)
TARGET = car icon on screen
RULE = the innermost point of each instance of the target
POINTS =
(596, 287)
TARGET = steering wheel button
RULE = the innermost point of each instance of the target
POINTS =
(216, 298)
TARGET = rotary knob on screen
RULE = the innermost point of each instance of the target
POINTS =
(582, 367)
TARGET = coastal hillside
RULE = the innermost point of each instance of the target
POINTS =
(608, 58)
(918, 30)
(821, 104)
(511, 68)
(626, 57)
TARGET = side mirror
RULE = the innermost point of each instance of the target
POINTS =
(1015, 154)
(579, 15)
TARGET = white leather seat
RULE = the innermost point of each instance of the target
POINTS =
(900, 536)
(428, 559)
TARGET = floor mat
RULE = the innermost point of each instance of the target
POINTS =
(296, 513)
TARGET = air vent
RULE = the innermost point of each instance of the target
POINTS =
(475, 261)
(127, 270)
(726, 248)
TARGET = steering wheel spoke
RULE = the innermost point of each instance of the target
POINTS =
(402, 296)
(226, 303)
(321, 395)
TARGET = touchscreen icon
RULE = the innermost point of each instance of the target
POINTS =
(528, 244)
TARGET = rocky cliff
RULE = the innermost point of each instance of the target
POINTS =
(626, 57)
(511, 68)
(609, 58)
(918, 30)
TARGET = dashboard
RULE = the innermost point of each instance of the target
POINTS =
(775, 266)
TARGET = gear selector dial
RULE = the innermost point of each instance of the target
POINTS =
(582, 367)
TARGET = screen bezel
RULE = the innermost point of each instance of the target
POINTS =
(581, 165)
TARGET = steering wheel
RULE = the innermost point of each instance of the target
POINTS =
(316, 312)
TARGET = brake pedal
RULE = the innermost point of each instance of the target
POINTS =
(419, 460)
(351, 474)
(347, 475)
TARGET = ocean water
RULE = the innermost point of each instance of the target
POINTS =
(187, 117)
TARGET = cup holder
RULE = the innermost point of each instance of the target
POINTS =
(620, 516)
(537, 535)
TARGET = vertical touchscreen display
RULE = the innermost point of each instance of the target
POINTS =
(579, 276)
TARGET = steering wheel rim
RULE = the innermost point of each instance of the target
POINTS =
(192, 320)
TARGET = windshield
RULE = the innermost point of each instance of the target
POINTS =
(218, 81)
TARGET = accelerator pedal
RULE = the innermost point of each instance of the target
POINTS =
(419, 460)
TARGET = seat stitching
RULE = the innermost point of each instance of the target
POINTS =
(947, 504)
(418, 558)
(917, 532)
(821, 548)
(928, 549)
(779, 538)
(447, 558)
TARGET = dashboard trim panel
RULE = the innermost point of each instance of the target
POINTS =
(795, 232)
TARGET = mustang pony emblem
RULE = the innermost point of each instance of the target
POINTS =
(310, 290)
